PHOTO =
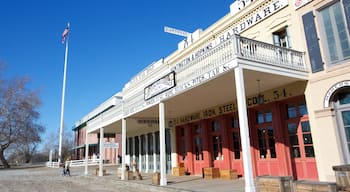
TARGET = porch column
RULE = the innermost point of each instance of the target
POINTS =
(244, 130)
(140, 154)
(174, 162)
(100, 171)
(123, 147)
(163, 181)
(146, 144)
(133, 154)
(86, 151)
(154, 153)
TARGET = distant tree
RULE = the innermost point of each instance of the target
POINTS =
(51, 143)
(18, 118)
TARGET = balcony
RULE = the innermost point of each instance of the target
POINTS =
(216, 61)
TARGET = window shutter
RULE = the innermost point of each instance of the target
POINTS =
(312, 42)
(346, 5)
(288, 37)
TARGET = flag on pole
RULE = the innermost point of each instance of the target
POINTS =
(65, 34)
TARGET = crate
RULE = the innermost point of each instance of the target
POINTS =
(156, 178)
(274, 183)
(228, 174)
(314, 186)
(103, 172)
(181, 164)
(342, 176)
(179, 171)
(211, 173)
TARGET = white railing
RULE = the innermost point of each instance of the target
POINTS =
(215, 61)
(79, 163)
(270, 54)
(52, 164)
(73, 163)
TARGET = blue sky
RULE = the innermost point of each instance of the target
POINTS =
(110, 42)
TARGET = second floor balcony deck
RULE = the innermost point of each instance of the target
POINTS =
(216, 61)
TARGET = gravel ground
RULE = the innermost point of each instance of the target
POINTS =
(43, 179)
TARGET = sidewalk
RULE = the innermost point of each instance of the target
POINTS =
(174, 183)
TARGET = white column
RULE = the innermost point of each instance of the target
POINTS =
(146, 144)
(86, 151)
(123, 148)
(154, 153)
(133, 155)
(140, 155)
(163, 181)
(244, 130)
(173, 148)
(100, 171)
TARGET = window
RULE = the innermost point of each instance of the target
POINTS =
(198, 143)
(215, 125)
(296, 109)
(336, 39)
(217, 148)
(266, 143)
(342, 104)
(263, 117)
(130, 146)
(236, 139)
(136, 139)
(198, 148)
(281, 38)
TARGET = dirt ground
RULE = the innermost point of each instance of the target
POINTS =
(43, 179)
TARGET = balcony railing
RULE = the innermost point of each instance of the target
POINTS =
(216, 61)
(270, 54)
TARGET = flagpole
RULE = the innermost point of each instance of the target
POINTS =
(63, 95)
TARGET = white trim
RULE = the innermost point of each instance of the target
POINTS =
(332, 90)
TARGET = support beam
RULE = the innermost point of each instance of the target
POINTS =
(86, 151)
(244, 130)
(123, 148)
(163, 180)
(100, 171)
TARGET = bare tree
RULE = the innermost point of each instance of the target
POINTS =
(51, 143)
(18, 116)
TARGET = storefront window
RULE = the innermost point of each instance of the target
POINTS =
(308, 144)
(198, 146)
(293, 139)
(217, 147)
(263, 117)
(236, 145)
(266, 142)
(291, 111)
(234, 122)
(215, 125)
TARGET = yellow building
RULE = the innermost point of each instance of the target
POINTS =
(256, 92)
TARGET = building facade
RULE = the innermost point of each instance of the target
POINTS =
(264, 90)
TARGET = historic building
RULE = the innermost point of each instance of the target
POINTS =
(264, 90)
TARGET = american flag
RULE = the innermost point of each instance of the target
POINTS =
(65, 34)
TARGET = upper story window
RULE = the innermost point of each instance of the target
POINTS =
(334, 32)
(281, 38)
